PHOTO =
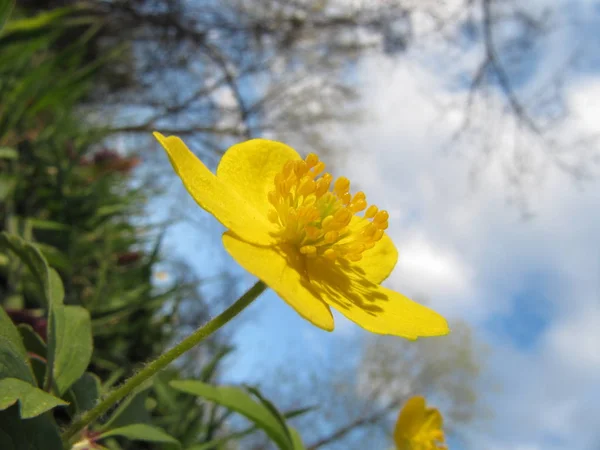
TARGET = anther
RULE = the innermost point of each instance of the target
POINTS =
(341, 186)
(307, 186)
(330, 254)
(371, 211)
(308, 250)
(381, 216)
(323, 184)
(300, 168)
(331, 237)
(311, 160)
(317, 169)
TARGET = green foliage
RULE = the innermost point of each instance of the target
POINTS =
(13, 356)
(79, 308)
(33, 401)
(69, 345)
(259, 410)
(141, 432)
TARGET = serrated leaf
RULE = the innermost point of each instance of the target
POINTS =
(237, 399)
(141, 432)
(37, 433)
(14, 362)
(33, 401)
(69, 345)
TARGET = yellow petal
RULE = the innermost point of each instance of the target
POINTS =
(377, 263)
(251, 166)
(217, 197)
(410, 420)
(370, 305)
(433, 420)
(281, 268)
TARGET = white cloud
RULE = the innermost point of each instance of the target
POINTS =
(470, 254)
(574, 341)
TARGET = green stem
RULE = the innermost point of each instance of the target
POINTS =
(162, 361)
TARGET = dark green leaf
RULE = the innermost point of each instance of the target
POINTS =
(131, 411)
(141, 432)
(40, 224)
(7, 185)
(38, 433)
(69, 345)
(31, 257)
(14, 362)
(32, 341)
(86, 391)
(6, 7)
(33, 401)
(240, 401)
(6, 442)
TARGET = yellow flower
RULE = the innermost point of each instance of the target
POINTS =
(295, 228)
(419, 427)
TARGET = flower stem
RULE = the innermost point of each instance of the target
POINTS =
(162, 361)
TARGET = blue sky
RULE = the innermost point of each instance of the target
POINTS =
(530, 288)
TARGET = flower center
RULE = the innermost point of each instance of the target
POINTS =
(315, 213)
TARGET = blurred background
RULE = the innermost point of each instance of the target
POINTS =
(473, 122)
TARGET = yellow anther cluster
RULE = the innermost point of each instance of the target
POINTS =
(315, 212)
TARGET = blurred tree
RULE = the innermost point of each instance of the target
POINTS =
(216, 72)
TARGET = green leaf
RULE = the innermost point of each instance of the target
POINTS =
(69, 345)
(220, 441)
(132, 410)
(42, 20)
(7, 152)
(6, 441)
(209, 370)
(296, 439)
(86, 391)
(56, 290)
(32, 341)
(6, 7)
(14, 362)
(271, 407)
(7, 185)
(239, 400)
(141, 432)
(38, 433)
(33, 401)
(51, 225)
(32, 258)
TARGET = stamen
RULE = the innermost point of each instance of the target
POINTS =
(319, 218)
